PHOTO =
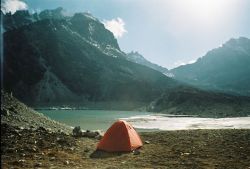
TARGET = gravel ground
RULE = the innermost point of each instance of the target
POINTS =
(31, 140)
(18, 114)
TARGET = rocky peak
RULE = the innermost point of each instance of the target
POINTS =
(93, 30)
(19, 18)
(58, 13)
(136, 57)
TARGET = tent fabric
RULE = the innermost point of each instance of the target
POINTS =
(121, 136)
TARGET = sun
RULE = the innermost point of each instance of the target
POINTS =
(206, 9)
(203, 14)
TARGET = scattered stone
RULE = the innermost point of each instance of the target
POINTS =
(99, 137)
(52, 158)
(147, 142)
(12, 109)
(185, 154)
(41, 129)
(66, 162)
(86, 150)
(71, 148)
(5, 112)
(77, 131)
(38, 165)
(136, 152)
(21, 161)
(34, 149)
(91, 134)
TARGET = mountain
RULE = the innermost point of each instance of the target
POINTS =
(138, 58)
(193, 101)
(23, 17)
(57, 59)
(225, 68)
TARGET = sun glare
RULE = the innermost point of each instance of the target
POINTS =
(202, 16)
(203, 10)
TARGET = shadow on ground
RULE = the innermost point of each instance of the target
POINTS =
(104, 154)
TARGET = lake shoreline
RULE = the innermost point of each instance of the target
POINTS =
(143, 121)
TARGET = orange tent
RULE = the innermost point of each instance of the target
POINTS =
(121, 136)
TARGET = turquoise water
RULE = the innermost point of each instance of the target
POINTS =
(142, 121)
(89, 119)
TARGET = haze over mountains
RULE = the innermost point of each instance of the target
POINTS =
(54, 59)
(226, 69)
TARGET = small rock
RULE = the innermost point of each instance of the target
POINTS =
(21, 161)
(34, 149)
(41, 128)
(99, 137)
(60, 131)
(77, 131)
(147, 142)
(49, 130)
(52, 158)
(91, 134)
(136, 152)
(66, 162)
(38, 165)
(71, 148)
(12, 109)
(5, 112)
(185, 154)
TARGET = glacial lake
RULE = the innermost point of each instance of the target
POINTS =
(142, 121)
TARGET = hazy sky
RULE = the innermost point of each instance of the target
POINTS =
(166, 32)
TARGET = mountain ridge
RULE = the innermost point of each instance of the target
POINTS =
(136, 57)
(51, 56)
(225, 69)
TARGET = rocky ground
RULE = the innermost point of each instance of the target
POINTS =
(30, 140)
(40, 148)
(15, 113)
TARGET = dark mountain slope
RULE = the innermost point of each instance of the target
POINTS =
(54, 61)
(190, 101)
(226, 68)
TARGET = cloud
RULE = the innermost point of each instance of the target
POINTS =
(13, 6)
(116, 26)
